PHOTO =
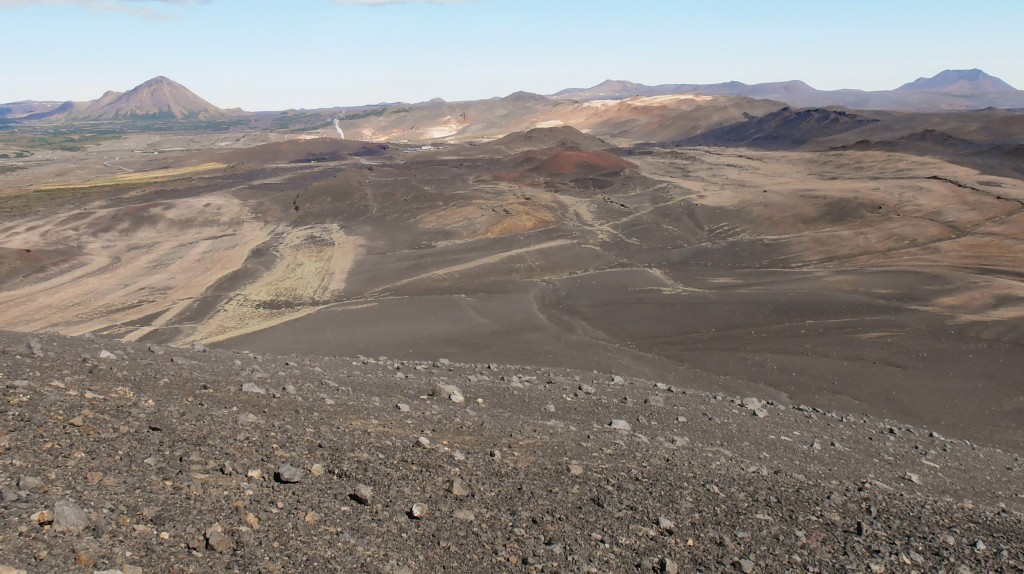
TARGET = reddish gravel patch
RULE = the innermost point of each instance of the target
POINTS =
(580, 163)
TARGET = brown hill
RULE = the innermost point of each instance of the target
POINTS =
(60, 111)
(1006, 159)
(784, 129)
(160, 97)
(557, 167)
(988, 140)
(667, 118)
(579, 163)
(26, 108)
(302, 151)
(540, 138)
(640, 119)
(96, 106)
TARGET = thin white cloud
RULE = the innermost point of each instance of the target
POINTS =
(149, 8)
(17, 3)
(142, 8)
(386, 2)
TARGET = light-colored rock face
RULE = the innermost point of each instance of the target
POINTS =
(164, 254)
(640, 118)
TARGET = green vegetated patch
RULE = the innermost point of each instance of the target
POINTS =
(170, 124)
(26, 200)
(9, 168)
(80, 136)
(59, 139)
(363, 114)
(295, 120)
(77, 190)
(310, 128)
(136, 178)
(128, 184)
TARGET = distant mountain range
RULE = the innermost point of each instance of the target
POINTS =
(951, 90)
(948, 90)
(159, 98)
(960, 83)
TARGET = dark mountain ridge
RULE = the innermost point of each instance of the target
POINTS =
(785, 129)
(960, 82)
(948, 90)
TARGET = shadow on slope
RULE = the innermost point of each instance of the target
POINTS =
(303, 151)
(1000, 159)
(785, 129)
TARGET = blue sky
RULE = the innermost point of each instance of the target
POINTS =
(261, 55)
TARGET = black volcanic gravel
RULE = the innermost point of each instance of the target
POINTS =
(157, 460)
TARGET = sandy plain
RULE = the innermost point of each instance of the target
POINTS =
(863, 280)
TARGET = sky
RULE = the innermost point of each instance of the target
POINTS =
(263, 55)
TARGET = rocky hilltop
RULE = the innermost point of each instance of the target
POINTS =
(135, 458)
(159, 96)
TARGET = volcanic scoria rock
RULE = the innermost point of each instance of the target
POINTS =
(362, 494)
(288, 474)
(217, 541)
(69, 516)
(450, 392)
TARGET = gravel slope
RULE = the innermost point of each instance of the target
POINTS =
(125, 457)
